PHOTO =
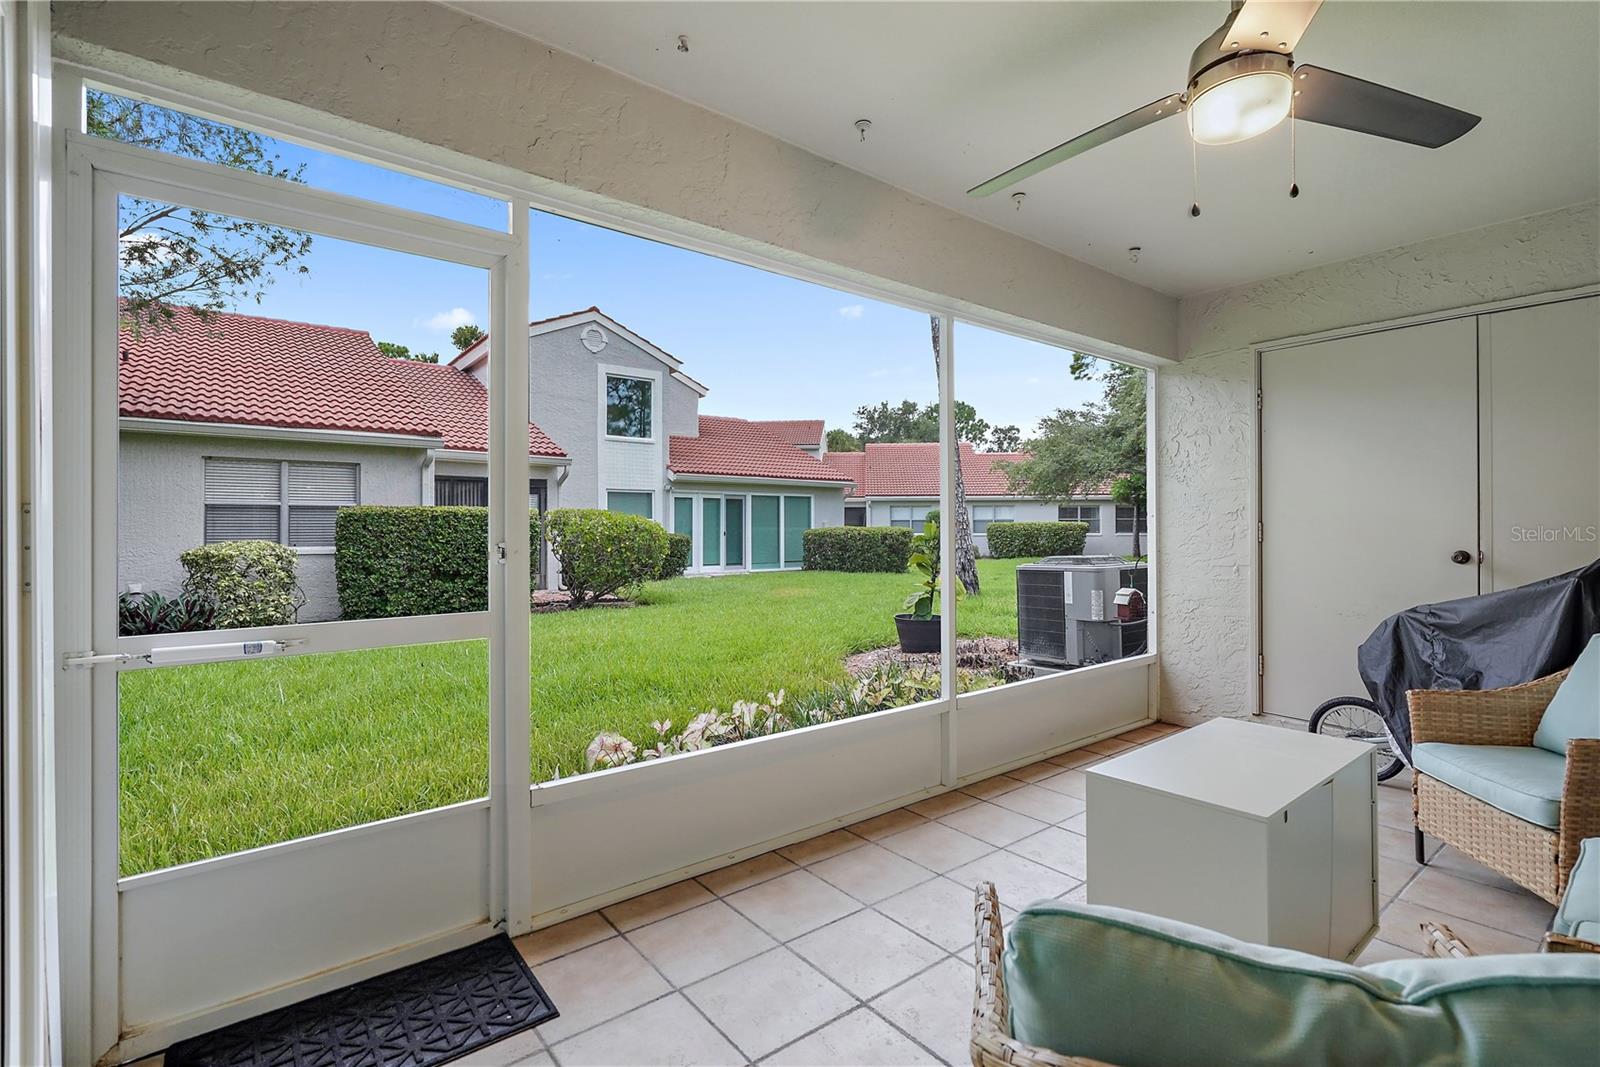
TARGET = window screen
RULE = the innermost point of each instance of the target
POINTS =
(1125, 520)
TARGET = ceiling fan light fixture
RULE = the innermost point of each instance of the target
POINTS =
(1240, 98)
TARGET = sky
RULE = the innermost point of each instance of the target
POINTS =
(767, 346)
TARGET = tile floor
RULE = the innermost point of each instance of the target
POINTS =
(854, 947)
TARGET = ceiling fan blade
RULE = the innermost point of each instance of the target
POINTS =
(1334, 99)
(1269, 25)
(1133, 120)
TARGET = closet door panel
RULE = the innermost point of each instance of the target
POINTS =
(1541, 438)
(1369, 484)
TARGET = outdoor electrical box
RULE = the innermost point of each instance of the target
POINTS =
(1070, 610)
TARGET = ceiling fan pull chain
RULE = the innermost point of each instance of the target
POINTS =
(1294, 184)
(1194, 172)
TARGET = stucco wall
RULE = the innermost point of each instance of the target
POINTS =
(434, 75)
(1206, 407)
(565, 399)
(161, 504)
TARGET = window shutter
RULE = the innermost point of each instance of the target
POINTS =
(255, 481)
(233, 522)
(322, 483)
(311, 527)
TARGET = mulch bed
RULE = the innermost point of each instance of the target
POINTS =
(989, 654)
(545, 601)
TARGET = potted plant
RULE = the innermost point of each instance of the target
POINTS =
(918, 626)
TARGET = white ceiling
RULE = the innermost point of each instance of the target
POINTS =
(960, 91)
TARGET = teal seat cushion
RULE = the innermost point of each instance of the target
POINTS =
(1140, 991)
(1525, 782)
(1575, 709)
(1588, 930)
(1580, 902)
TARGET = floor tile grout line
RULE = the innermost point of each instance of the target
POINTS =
(867, 1004)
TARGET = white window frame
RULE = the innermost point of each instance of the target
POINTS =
(915, 519)
(1092, 520)
(1126, 511)
(651, 493)
(993, 513)
(652, 380)
(285, 503)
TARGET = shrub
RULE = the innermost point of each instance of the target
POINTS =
(887, 685)
(1009, 540)
(604, 552)
(142, 614)
(247, 583)
(679, 545)
(416, 560)
(857, 549)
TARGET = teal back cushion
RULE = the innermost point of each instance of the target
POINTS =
(1138, 991)
(1575, 709)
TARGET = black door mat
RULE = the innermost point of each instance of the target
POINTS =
(428, 1013)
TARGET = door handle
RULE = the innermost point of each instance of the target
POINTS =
(1461, 556)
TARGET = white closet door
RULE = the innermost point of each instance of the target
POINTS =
(1541, 370)
(1369, 474)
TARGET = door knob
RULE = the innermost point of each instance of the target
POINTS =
(1461, 556)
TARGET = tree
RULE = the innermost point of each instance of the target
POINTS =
(1077, 450)
(1005, 439)
(178, 255)
(843, 441)
(394, 351)
(464, 336)
(909, 422)
(966, 557)
(903, 422)
(1130, 491)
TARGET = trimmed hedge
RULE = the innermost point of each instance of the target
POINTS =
(249, 583)
(1011, 540)
(415, 560)
(679, 545)
(604, 552)
(857, 549)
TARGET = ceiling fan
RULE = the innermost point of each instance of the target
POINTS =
(1243, 81)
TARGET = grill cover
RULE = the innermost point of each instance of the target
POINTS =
(1479, 642)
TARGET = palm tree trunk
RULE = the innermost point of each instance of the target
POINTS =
(1136, 551)
(966, 557)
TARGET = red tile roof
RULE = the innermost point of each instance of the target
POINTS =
(460, 407)
(729, 447)
(231, 368)
(795, 431)
(912, 470)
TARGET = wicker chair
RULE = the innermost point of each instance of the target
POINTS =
(1532, 856)
(992, 1043)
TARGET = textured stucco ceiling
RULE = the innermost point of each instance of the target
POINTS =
(959, 91)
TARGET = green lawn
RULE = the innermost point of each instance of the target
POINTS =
(221, 757)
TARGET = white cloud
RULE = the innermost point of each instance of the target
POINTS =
(449, 320)
(880, 372)
(852, 311)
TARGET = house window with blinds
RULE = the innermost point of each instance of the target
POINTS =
(277, 500)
